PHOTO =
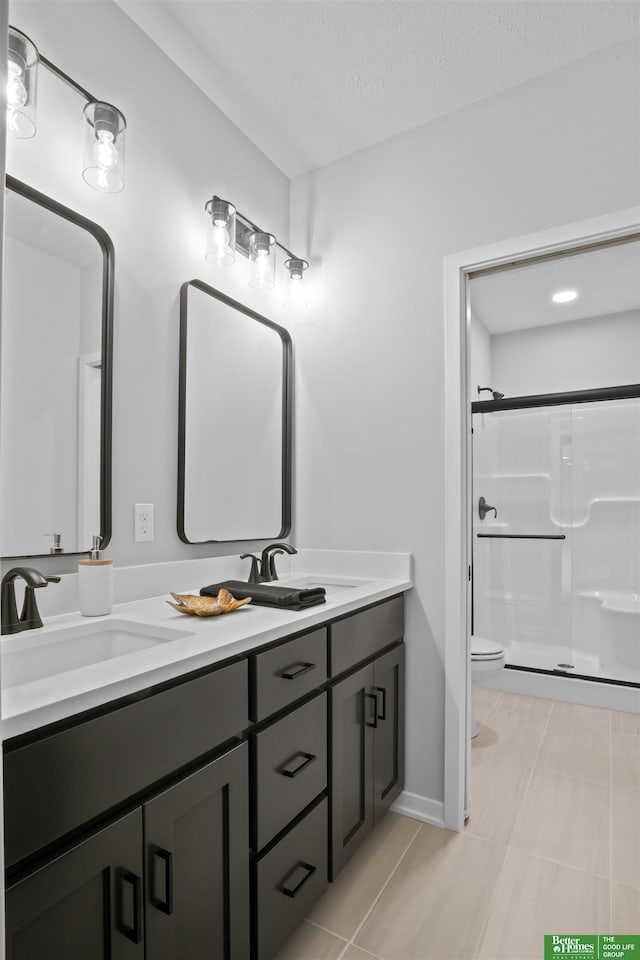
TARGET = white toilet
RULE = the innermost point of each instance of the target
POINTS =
(487, 657)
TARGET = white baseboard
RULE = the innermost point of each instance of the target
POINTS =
(420, 808)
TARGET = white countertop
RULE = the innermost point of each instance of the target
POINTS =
(199, 642)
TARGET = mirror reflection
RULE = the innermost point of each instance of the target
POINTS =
(235, 421)
(55, 427)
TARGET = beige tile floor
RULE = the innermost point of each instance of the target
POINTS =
(552, 846)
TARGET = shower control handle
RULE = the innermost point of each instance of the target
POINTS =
(484, 508)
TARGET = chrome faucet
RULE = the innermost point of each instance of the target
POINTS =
(29, 618)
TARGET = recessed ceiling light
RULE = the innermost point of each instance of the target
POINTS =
(564, 296)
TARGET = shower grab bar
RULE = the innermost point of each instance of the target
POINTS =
(522, 536)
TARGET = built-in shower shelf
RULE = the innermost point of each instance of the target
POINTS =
(615, 601)
(594, 503)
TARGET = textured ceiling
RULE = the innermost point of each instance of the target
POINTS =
(310, 81)
(607, 281)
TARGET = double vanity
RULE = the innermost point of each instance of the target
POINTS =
(185, 788)
(175, 788)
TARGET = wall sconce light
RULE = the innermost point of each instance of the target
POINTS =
(103, 167)
(295, 288)
(220, 229)
(228, 230)
(263, 261)
(22, 85)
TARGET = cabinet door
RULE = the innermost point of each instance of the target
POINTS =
(197, 860)
(85, 904)
(388, 737)
(353, 711)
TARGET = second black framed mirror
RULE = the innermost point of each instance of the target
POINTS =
(235, 420)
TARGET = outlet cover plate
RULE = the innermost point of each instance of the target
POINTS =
(143, 522)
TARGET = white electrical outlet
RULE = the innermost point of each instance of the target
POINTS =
(143, 521)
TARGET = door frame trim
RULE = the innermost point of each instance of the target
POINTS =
(458, 524)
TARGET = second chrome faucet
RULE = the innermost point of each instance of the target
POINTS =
(263, 570)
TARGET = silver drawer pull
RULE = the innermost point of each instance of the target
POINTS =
(292, 673)
(300, 873)
(288, 770)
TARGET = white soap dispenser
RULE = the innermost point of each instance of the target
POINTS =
(95, 583)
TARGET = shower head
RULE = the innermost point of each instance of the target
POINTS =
(494, 393)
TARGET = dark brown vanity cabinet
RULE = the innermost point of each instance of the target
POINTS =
(202, 818)
(367, 751)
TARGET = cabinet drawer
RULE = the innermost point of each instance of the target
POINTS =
(356, 638)
(289, 671)
(290, 879)
(66, 779)
(291, 767)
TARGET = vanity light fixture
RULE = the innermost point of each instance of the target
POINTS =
(103, 167)
(228, 230)
(564, 296)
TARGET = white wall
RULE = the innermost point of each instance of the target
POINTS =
(180, 150)
(577, 355)
(480, 359)
(370, 360)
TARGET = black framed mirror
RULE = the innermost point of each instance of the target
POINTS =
(56, 378)
(234, 438)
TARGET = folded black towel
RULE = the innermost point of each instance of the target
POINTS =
(267, 595)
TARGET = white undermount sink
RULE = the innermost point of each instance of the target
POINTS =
(30, 656)
(332, 585)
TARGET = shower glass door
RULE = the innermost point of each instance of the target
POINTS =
(606, 538)
(522, 575)
(556, 574)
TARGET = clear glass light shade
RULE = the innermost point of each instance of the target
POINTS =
(220, 231)
(296, 294)
(22, 84)
(262, 260)
(104, 128)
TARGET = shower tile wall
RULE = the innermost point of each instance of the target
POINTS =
(572, 472)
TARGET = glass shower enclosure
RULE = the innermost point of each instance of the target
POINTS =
(556, 564)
